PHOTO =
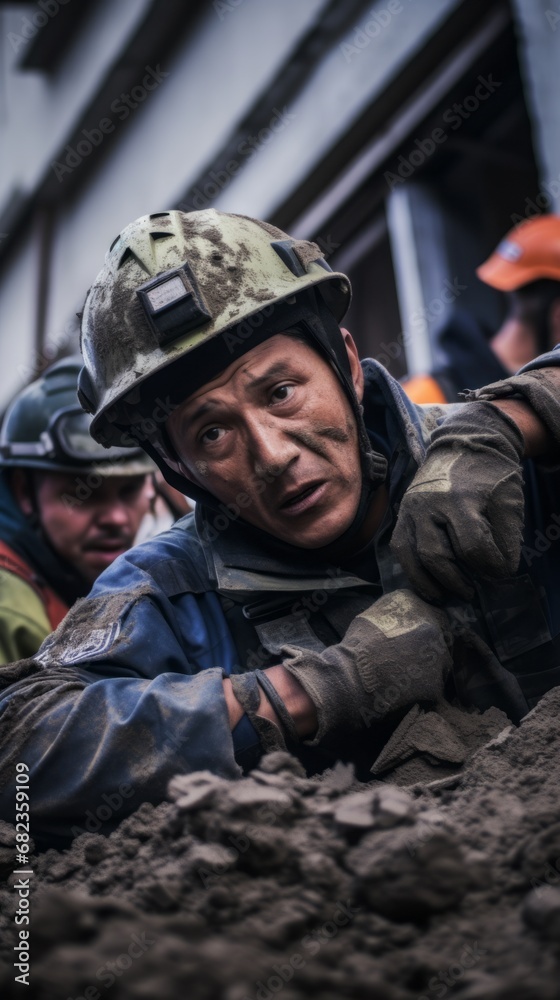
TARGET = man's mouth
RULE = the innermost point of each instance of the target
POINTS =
(300, 501)
(109, 546)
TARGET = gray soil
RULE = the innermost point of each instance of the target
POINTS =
(280, 884)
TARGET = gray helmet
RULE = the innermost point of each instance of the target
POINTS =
(46, 428)
(190, 291)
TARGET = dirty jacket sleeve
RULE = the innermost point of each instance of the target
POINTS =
(126, 693)
(23, 621)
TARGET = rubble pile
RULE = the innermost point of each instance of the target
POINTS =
(282, 884)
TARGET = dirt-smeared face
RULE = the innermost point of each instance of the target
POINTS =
(275, 435)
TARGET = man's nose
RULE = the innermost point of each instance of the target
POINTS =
(272, 449)
(114, 512)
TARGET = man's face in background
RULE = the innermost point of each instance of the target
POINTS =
(90, 533)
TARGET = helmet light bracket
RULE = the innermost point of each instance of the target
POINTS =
(29, 449)
(173, 304)
(288, 256)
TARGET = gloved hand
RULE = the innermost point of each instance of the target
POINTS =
(540, 388)
(463, 512)
(393, 654)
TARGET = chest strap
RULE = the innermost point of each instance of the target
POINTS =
(55, 608)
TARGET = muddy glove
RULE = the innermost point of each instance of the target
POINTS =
(463, 512)
(393, 655)
(540, 388)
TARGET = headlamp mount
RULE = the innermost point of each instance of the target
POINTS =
(173, 304)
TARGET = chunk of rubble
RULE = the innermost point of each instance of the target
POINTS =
(541, 912)
(189, 791)
(280, 760)
(409, 884)
(252, 793)
(379, 807)
(213, 855)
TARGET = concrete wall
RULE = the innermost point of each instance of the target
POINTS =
(539, 49)
(40, 108)
(165, 143)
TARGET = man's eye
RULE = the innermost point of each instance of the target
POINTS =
(282, 392)
(129, 492)
(212, 434)
(133, 487)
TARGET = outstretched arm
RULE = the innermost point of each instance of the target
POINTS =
(532, 401)
(463, 514)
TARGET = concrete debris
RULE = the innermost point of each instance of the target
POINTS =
(314, 887)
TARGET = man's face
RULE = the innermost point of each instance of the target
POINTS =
(275, 435)
(91, 533)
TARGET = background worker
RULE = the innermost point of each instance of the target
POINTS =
(68, 508)
(526, 266)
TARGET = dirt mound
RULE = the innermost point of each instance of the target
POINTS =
(281, 884)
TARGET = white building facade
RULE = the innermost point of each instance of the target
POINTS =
(405, 136)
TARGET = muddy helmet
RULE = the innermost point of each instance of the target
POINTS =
(180, 297)
(46, 428)
(529, 252)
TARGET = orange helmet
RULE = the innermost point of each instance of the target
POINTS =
(527, 253)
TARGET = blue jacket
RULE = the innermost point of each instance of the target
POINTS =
(128, 691)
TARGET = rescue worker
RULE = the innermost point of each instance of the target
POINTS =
(68, 508)
(277, 615)
(526, 266)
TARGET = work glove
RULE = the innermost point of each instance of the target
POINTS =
(393, 655)
(463, 512)
(540, 388)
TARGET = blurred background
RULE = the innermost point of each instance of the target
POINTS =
(404, 136)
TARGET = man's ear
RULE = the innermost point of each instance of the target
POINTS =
(355, 366)
(19, 483)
